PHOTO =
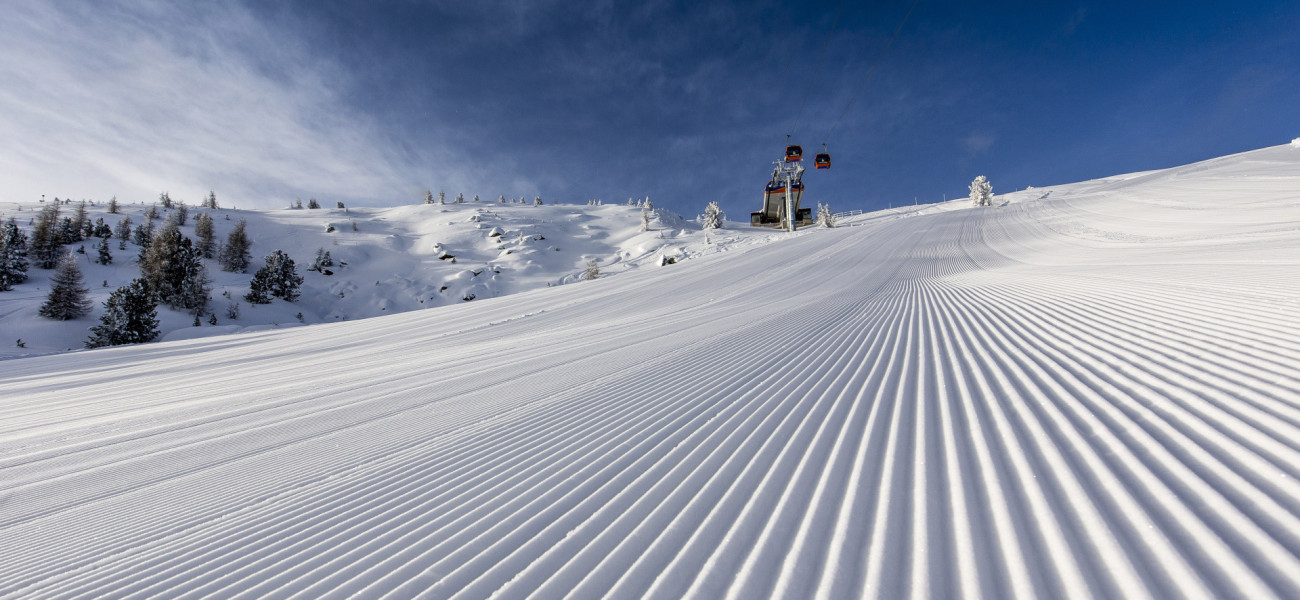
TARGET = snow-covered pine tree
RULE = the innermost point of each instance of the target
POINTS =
(143, 235)
(204, 231)
(460, 198)
(312, 203)
(165, 200)
(824, 216)
(174, 270)
(112, 205)
(211, 200)
(428, 196)
(981, 192)
(645, 220)
(537, 201)
(45, 244)
(101, 229)
(81, 222)
(322, 261)
(13, 255)
(442, 197)
(501, 199)
(712, 216)
(130, 317)
(69, 231)
(123, 231)
(152, 213)
(105, 256)
(279, 278)
(69, 297)
(235, 256)
(182, 213)
(648, 205)
(592, 271)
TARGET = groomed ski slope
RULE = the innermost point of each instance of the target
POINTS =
(1090, 390)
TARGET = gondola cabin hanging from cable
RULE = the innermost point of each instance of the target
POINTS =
(823, 161)
(793, 154)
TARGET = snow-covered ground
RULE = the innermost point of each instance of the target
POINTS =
(389, 260)
(1087, 390)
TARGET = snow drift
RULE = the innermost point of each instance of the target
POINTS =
(1087, 390)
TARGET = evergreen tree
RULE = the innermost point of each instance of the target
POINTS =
(123, 230)
(501, 199)
(235, 256)
(312, 203)
(322, 261)
(211, 200)
(68, 294)
(130, 317)
(203, 231)
(165, 200)
(460, 198)
(81, 221)
(592, 271)
(173, 268)
(112, 205)
(537, 201)
(105, 257)
(278, 278)
(13, 256)
(182, 214)
(824, 216)
(428, 196)
(46, 244)
(712, 216)
(645, 220)
(143, 235)
(101, 229)
(981, 192)
(69, 233)
(442, 197)
(152, 213)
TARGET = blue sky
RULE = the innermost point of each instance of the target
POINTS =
(372, 102)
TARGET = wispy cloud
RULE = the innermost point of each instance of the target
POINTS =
(133, 98)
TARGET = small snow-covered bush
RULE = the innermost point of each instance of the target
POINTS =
(1296, 142)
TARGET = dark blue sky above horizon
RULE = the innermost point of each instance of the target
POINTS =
(690, 102)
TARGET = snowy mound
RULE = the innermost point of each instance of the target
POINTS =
(1092, 391)
(1296, 142)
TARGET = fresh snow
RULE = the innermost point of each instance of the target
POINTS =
(388, 260)
(1086, 390)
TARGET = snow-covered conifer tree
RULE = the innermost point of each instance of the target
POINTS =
(204, 231)
(712, 216)
(13, 255)
(130, 317)
(981, 192)
(824, 216)
(442, 197)
(312, 203)
(592, 271)
(235, 256)
(165, 199)
(45, 244)
(105, 256)
(645, 220)
(68, 297)
(537, 201)
(112, 206)
(279, 278)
